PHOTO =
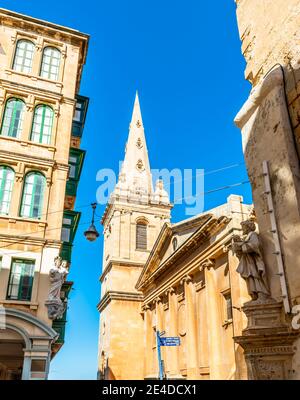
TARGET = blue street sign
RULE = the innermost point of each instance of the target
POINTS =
(164, 341)
(170, 341)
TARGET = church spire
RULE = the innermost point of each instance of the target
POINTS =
(136, 114)
(135, 178)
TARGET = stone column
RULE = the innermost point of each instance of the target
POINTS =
(148, 340)
(26, 367)
(214, 324)
(173, 353)
(192, 346)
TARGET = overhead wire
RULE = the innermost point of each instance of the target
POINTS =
(28, 234)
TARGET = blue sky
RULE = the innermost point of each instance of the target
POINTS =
(184, 58)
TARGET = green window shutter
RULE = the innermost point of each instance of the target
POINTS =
(21, 280)
(66, 252)
(79, 115)
(13, 118)
(23, 56)
(71, 189)
(33, 195)
(7, 176)
(69, 226)
(42, 124)
(76, 159)
(50, 63)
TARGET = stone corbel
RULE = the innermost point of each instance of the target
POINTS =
(208, 263)
(48, 181)
(13, 38)
(2, 95)
(170, 291)
(19, 177)
(56, 111)
(39, 44)
(30, 103)
(64, 52)
(187, 279)
(157, 300)
(145, 308)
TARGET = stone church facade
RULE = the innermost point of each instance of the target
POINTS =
(179, 278)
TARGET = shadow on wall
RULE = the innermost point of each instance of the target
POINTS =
(268, 136)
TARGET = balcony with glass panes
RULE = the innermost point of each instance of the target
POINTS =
(68, 232)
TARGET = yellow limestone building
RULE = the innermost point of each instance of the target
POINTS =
(178, 278)
(270, 125)
(42, 119)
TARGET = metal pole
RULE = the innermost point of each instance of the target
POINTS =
(160, 366)
(274, 231)
(94, 205)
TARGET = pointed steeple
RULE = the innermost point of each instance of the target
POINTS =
(135, 179)
(136, 114)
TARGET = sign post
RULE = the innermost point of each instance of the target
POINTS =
(160, 363)
(164, 341)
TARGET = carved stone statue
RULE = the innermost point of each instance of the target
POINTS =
(57, 274)
(251, 266)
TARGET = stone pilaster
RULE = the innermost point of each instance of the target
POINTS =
(192, 359)
(173, 354)
(148, 340)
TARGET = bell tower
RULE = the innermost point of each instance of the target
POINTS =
(132, 221)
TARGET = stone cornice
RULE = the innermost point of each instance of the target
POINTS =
(116, 262)
(130, 207)
(45, 162)
(27, 90)
(26, 21)
(117, 295)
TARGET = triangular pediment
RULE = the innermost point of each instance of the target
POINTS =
(171, 240)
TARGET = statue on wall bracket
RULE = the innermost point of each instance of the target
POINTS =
(56, 307)
(251, 266)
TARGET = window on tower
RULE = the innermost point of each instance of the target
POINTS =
(141, 235)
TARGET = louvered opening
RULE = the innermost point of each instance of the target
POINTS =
(141, 237)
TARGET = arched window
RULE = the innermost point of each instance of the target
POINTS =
(141, 235)
(13, 118)
(33, 195)
(23, 56)
(42, 124)
(7, 176)
(50, 63)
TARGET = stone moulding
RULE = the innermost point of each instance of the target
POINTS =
(116, 295)
(274, 78)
